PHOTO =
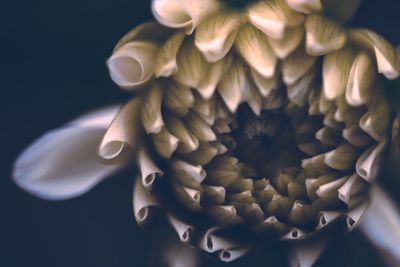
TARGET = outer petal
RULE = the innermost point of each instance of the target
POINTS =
(381, 225)
(63, 163)
(306, 253)
(305, 6)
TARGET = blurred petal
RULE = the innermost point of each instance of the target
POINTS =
(306, 253)
(381, 225)
(185, 14)
(143, 202)
(63, 163)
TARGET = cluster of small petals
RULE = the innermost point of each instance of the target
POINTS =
(280, 56)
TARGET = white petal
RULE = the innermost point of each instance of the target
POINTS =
(124, 131)
(215, 36)
(368, 164)
(212, 243)
(273, 16)
(253, 46)
(151, 109)
(183, 13)
(63, 163)
(387, 56)
(381, 225)
(291, 40)
(296, 65)
(231, 254)
(305, 6)
(305, 254)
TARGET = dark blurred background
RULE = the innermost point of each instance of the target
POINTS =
(53, 69)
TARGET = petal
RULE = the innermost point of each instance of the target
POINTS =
(272, 17)
(216, 35)
(183, 13)
(151, 109)
(323, 35)
(233, 86)
(265, 85)
(290, 41)
(132, 65)
(381, 226)
(183, 229)
(165, 64)
(165, 143)
(178, 99)
(305, 254)
(143, 203)
(253, 46)
(124, 131)
(305, 6)
(336, 71)
(63, 163)
(387, 56)
(149, 170)
(361, 80)
(368, 163)
(296, 65)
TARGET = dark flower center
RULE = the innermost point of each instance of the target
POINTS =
(266, 142)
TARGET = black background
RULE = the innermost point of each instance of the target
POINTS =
(53, 69)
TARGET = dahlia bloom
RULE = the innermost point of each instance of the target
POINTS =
(262, 124)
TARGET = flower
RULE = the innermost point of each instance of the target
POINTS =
(247, 125)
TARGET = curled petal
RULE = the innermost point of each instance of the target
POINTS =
(165, 143)
(183, 230)
(305, 254)
(216, 35)
(342, 158)
(183, 13)
(143, 202)
(253, 46)
(336, 71)
(231, 254)
(187, 141)
(63, 163)
(150, 31)
(272, 17)
(165, 64)
(355, 216)
(323, 35)
(367, 164)
(326, 217)
(212, 242)
(346, 190)
(132, 65)
(387, 56)
(305, 6)
(124, 131)
(178, 99)
(149, 170)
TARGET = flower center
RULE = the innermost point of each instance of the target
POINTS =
(267, 142)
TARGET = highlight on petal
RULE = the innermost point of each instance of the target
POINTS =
(185, 14)
(305, 6)
(290, 41)
(323, 35)
(336, 71)
(272, 17)
(216, 35)
(253, 46)
(387, 56)
(381, 225)
(63, 163)
(132, 65)
(306, 253)
(125, 131)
